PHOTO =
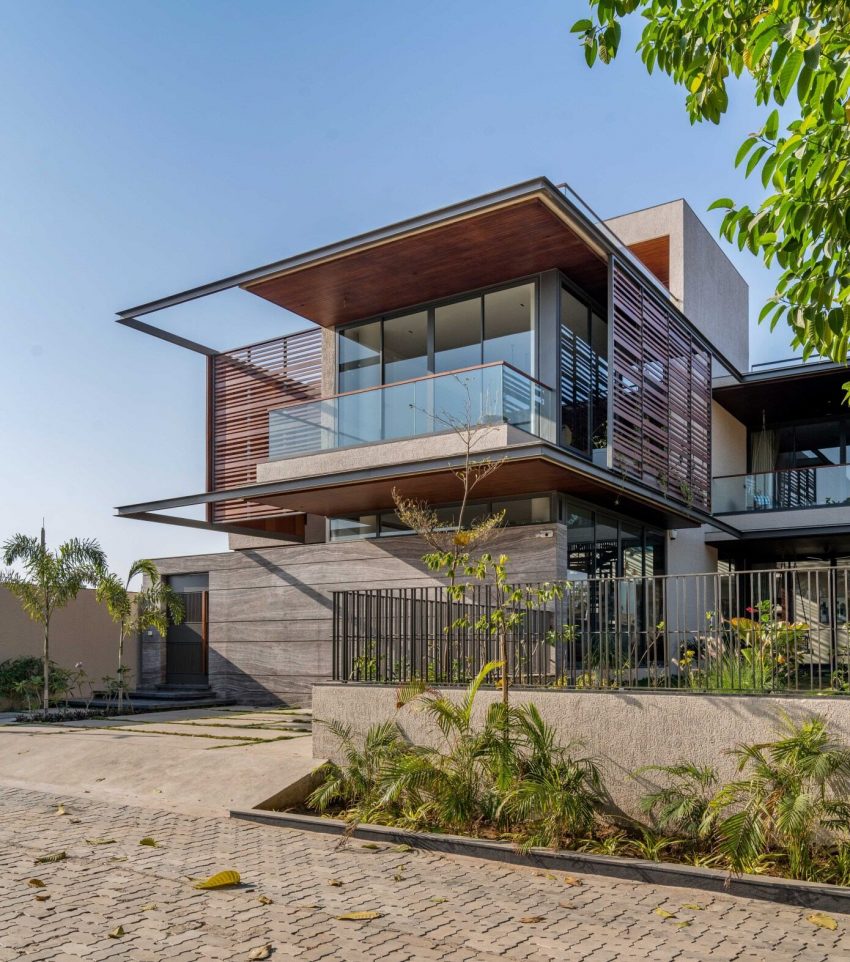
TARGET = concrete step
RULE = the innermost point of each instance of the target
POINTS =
(173, 694)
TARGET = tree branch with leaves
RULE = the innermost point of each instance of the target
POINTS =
(797, 54)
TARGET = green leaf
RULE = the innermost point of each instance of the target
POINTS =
(581, 26)
(788, 74)
(771, 128)
(722, 203)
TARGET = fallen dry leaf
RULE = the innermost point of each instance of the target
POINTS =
(335, 882)
(265, 900)
(371, 845)
(531, 919)
(359, 916)
(572, 880)
(100, 841)
(261, 952)
(662, 913)
(220, 880)
(694, 906)
(438, 898)
(822, 921)
(60, 810)
(150, 842)
(117, 933)
(682, 925)
(52, 857)
(150, 907)
(35, 883)
(398, 877)
(41, 896)
(403, 847)
(566, 905)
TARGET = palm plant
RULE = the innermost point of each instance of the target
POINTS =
(452, 785)
(792, 798)
(154, 607)
(553, 796)
(46, 581)
(682, 804)
(356, 785)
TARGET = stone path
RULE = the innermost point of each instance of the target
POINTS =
(432, 908)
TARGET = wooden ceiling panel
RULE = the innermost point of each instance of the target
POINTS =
(479, 250)
(655, 256)
(527, 476)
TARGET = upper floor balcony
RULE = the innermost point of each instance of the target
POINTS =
(473, 399)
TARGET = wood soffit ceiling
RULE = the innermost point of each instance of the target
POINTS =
(514, 478)
(488, 247)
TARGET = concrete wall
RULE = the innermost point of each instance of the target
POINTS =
(270, 607)
(83, 631)
(703, 281)
(621, 731)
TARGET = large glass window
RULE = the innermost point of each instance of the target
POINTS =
(509, 326)
(457, 335)
(584, 375)
(405, 347)
(488, 327)
(359, 357)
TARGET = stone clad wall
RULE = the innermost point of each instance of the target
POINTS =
(623, 731)
(270, 607)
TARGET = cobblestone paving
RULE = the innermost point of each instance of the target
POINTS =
(432, 907)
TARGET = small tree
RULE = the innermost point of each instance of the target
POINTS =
(48, 580)
(155, 606)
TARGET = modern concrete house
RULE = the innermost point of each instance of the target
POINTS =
(603, 363)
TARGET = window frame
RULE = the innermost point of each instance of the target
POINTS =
(431, 307)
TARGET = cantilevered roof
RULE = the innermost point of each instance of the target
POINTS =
(471, 246)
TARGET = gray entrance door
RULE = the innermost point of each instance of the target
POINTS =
(186, 643)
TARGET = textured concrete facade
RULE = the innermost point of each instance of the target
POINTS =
(622, 731)
(271, 606)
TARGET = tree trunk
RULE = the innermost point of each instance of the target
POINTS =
(120, 667)
(503, 657)
(46, 668)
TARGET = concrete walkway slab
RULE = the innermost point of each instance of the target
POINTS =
(199, 762)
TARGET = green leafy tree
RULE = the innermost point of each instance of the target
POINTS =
(798, 56)
(44, 581)
(155, 606)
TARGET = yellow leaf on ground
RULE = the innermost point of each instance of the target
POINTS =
(220, 880)
(117, 933)
(41, 896)
(531, 919)
(403, 847)
(359, 916)
(823, 921)
(261, 952)
(694, 906)
(150, 907)
(265, 900)
(566, 905)
(100, 841)
(438, 899)
(52, 857)
(335, 882)
(61, 810)
(663, 913)
(371, 845)
(150, 842)
(682, 925)
(35, 883)
(572, 880)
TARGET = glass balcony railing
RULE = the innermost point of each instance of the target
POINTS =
(487, 395)
(785, 490)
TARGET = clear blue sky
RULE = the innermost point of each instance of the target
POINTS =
(151, 146)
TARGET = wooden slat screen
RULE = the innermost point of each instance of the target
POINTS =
(662, 396)
(245, 385)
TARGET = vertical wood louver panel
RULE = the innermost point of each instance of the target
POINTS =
(245, 385)
(661, 432)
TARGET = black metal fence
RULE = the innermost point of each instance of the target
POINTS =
(761, 631)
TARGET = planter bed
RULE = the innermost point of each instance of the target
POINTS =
(830, 898)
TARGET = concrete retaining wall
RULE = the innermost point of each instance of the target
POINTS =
(622, 731)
